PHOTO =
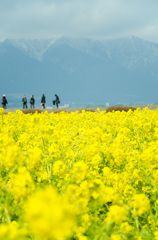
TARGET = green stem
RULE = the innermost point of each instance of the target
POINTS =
(137, 223)
(7, 215)
(42, 139)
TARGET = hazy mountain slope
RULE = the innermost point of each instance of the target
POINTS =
(120, 71)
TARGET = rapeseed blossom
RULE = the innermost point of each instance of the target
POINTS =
(115, 237)
(81, 176)
(140, 204)
(52, 218)
(156, 235)
(20, 185)
(59, 169)
(79, 171)
(12, 231)
(117, 214)
(126, 228)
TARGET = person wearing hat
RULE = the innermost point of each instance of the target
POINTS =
(4, 102)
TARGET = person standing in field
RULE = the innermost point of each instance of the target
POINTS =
(32, 102)
(24, 101)
(4, 102)
(57, 100)
(43, 100)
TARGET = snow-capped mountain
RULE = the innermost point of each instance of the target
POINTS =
(83, 71)
(32, 48)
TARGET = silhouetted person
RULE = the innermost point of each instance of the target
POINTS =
(57, 100)
(32, 102)
(4, 102)
(43, 101)
(24, 101)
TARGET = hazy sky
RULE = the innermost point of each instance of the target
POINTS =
(98, 19)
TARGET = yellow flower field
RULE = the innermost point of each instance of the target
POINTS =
(79, 176)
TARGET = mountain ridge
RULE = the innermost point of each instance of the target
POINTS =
(82, 71)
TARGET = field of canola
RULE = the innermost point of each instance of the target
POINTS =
(85, 176)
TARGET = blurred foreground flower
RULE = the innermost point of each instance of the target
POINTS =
(49, 216)
(11, 231)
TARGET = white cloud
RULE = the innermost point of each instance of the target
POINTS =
(87, 18)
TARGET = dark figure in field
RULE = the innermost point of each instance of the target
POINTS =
(32, 102)
(43, 101)
(4, 102)
(57, 100)
(24, 101)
